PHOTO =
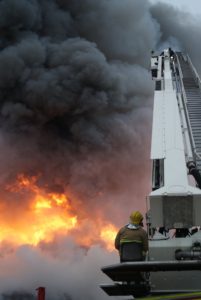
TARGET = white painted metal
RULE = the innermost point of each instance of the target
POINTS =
(158, 127)
(164, 250)
(168, 143)
(172, 141)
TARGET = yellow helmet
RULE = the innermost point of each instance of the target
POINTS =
(136, 217)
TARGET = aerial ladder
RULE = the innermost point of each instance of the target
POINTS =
(173, 264)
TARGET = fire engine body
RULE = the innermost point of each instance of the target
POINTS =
(174, 216)
(175, 200)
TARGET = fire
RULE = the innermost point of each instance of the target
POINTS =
(48, 214)
(108, 234)
(51, 217)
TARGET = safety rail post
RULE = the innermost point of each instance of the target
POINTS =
(41, 293)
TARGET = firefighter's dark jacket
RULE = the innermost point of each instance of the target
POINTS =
(131, 233)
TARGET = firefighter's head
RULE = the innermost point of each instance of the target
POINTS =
(136, 218)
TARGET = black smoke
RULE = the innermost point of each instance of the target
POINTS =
(75, 96)
(179, 30)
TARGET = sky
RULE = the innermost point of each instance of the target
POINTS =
(193, 6)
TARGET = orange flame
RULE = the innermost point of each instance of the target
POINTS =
(108, 234)
(47, 215)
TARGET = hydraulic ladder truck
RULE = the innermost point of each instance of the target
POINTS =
(174, 215)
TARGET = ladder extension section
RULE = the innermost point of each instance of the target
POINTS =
(192, 96)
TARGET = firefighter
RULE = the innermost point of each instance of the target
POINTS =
(133, 232)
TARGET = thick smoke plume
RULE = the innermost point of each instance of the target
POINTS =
(75, 98)
(75, 111)
(179, 30)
